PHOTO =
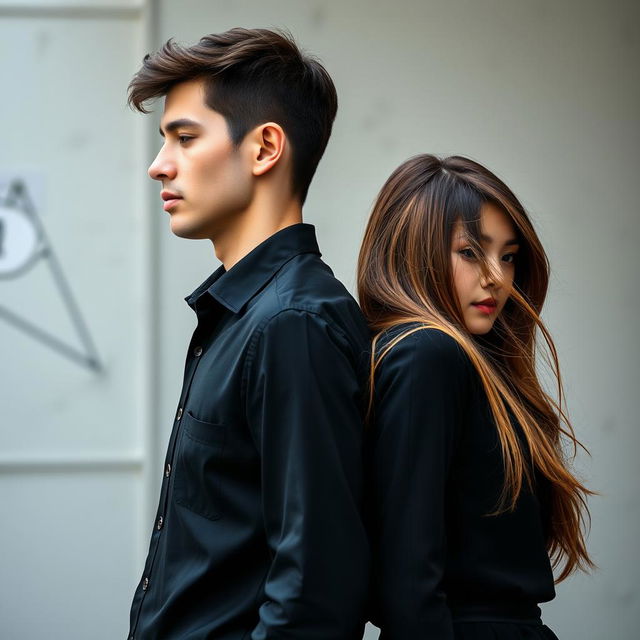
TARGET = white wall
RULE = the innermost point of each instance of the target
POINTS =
(545, 93)
(72, 440)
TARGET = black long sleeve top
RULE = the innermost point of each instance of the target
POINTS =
(258, 534)
(436, 472)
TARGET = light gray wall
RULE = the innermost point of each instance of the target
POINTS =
(72, 474)
(546, 93)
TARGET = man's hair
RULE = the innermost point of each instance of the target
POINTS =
(251, 76)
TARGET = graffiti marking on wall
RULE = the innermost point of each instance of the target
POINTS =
(23, 243)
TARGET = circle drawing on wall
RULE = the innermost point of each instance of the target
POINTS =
(19, 242)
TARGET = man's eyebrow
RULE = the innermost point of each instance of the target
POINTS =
(177, 124)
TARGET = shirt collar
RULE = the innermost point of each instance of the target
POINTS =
(234, 288)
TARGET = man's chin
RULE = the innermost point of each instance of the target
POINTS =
(188, 232)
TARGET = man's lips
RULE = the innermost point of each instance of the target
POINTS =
(488, 305)
(170, 199)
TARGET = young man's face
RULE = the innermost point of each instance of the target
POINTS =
(205, 178)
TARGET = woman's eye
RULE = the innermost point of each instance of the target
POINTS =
(509, 257)
(467, 253)
(183, 139)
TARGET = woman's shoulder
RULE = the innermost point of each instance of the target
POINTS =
(415, 339)
(420, 349)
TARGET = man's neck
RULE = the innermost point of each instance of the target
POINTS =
(251, 228)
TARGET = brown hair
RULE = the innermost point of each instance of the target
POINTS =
(405, 276)
(251, 76)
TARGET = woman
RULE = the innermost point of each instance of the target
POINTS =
(472, 501)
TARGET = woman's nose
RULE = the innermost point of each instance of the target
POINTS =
(491, 275)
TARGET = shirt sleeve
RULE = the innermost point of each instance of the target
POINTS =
(304, 409)
(420, 403)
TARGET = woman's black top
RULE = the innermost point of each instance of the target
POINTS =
(436, 472)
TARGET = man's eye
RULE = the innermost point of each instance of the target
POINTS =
(467, 253)
(183, 139)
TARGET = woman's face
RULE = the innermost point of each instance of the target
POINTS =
(482, 291)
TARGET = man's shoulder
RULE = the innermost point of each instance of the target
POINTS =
(307, 281)
(306, 285)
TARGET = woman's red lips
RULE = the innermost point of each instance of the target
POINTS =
(488, 305)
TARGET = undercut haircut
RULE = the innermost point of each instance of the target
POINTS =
(251, 76)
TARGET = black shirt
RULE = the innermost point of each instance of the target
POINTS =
(436, 472)
(258, 533)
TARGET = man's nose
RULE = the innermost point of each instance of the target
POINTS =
(163, 167)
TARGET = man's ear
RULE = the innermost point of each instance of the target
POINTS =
(268, 144)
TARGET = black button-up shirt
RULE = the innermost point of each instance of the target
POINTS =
(436, 471)
(258, 532)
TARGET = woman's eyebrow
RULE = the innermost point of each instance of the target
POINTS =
(507, 243)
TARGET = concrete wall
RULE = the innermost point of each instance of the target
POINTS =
(72, 433)
(544, 93)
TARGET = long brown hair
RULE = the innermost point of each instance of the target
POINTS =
(405, 276)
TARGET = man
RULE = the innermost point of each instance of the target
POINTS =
(258, 533)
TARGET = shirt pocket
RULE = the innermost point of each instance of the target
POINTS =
(196, 481)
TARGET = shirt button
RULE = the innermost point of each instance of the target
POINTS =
(167, 470)
(145, 584)
(160, 523)
(197, 352)
(179, 414)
